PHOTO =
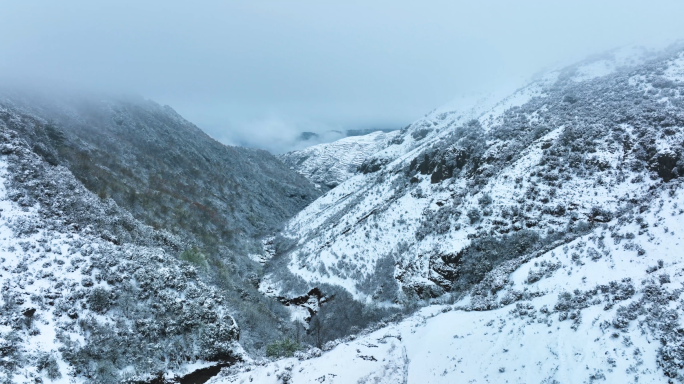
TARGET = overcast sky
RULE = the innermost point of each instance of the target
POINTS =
(259, 72)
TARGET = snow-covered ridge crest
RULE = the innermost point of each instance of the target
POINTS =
(331, 163)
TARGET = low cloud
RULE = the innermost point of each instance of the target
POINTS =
(260, 73)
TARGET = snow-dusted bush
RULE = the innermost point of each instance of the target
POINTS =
(47, 362)
(282, 348)
(474, 215)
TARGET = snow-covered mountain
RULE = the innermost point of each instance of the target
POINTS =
(545, 232)
(527, 238)
(558, 156)
(162, 168)
(339, 160)
(218, 200)
(330, 164)
(125, 240)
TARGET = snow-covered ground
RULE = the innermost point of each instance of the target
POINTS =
(586, 161)
(22, 253)
(330, 164)
(535, 339)
(586, 157)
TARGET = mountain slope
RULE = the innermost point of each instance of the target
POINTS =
(596, 309)
(162, 168)
(330, 164)
(89, 294)
(553, 222)
(558, 157)
(212, 203)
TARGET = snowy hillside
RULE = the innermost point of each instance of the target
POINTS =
(531, 238)
(162, 168)
(330, 164)
(556, 226)
(604, 307)
(552, 160)
(88, 293)
(217, 201)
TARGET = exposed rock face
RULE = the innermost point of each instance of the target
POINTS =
(310, 302)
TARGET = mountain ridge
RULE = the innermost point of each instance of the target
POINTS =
(542, 239)
(447, 152)
(533, 238)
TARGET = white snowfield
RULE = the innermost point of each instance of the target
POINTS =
(523, 342)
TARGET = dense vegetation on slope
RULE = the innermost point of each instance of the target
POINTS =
(163, 169)
(88, 292)
(217, 201)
